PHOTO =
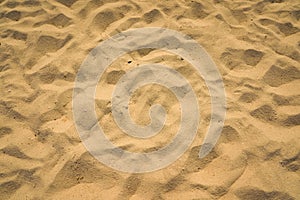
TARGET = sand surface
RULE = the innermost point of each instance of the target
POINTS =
(256, 47)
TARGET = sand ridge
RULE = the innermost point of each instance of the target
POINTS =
(256, 46)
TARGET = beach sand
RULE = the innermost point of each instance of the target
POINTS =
(256, 48)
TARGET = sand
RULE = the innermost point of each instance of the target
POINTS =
(256, 47)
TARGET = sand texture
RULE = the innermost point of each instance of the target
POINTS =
(256, 47)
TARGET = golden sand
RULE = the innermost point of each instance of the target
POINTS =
(256, 47)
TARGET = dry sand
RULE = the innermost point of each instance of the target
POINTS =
(256, 47)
